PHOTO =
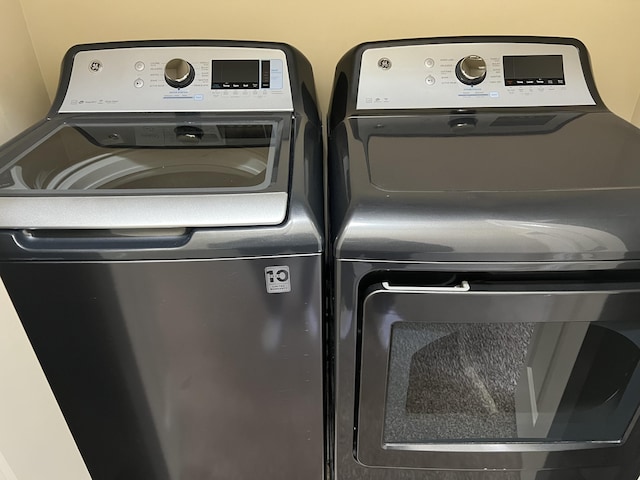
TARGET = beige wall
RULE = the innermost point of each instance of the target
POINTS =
(23, 98)
(325, 29)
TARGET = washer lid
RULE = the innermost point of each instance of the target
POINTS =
(152, 174)
(493, 152)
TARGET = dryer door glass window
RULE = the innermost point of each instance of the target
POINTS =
(569, 381)
(149, 157)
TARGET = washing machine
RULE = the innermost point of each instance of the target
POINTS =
(485, 236)
(161, 238)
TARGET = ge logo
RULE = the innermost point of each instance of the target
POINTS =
(384, 63)
(277, 279)
(95, 66)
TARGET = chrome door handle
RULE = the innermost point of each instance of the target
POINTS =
(463, 287)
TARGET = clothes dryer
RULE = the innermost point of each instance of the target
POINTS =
(162, 241)
(485, 232)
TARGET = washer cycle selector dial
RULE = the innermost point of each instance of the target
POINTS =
(471, 70)
(179, 73)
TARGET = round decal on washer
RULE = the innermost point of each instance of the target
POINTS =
(95, 66)
(384, 63)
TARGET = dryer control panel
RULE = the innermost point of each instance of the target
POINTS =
(178, 79)
(472, 75)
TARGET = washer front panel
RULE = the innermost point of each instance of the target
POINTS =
(132, 79)
(424, 76)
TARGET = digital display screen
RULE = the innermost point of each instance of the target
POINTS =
(235, 74)
(533, 70)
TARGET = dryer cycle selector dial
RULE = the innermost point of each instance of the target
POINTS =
(179, 73)
(471, 70)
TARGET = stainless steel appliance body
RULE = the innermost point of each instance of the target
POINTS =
(486, 244)
(162, 241)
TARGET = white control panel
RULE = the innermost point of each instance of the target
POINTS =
(472, 75)
(179, 79)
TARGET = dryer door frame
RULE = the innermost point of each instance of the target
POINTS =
(385, 304)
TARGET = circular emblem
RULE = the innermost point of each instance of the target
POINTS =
(95, 66)
(384, 63)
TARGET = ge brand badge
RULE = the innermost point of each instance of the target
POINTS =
(277, 279)
(95, 66)
(384, 63)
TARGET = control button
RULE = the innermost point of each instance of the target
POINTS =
(471, 70)
(138, 83)
(179, 73)
(430, 80)
(139, 66)
(429, 63)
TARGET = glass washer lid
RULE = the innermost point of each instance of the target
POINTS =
(181, 172)
(149, 158)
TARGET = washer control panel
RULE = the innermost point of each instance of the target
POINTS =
(178, 79)
(471, 75)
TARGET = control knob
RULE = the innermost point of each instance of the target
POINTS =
(471, 70)
(179, 73)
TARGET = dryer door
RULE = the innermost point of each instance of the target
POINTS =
(499, 374)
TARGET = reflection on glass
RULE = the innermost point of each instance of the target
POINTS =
(146, 157)
(573, 381)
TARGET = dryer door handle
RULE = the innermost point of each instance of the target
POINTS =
(463, 287)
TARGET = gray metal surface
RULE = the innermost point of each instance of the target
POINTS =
(563, 193)
(219, 377)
